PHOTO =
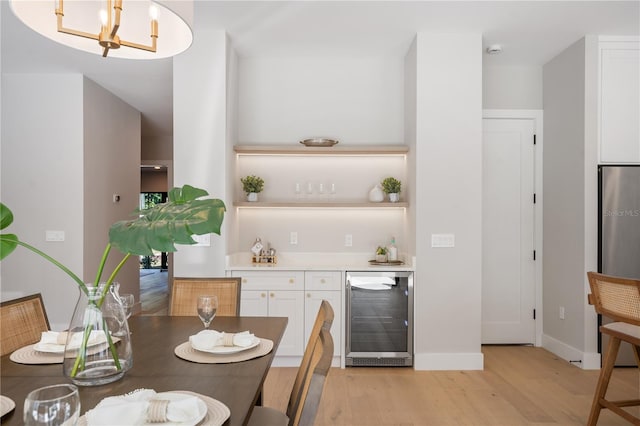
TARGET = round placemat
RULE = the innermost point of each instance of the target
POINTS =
(217, 412)
(185, 351)
(28, 355)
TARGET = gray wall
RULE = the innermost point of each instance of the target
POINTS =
(564, 196)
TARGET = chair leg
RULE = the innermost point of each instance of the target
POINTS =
(603, 380)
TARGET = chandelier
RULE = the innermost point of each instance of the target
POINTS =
(110, 23)
(117, 28)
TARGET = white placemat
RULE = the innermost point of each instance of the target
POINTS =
(28, 355)
(186, 351)
(217, 412)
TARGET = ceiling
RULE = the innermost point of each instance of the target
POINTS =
(531, 33)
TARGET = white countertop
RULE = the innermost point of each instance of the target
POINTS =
(290, 261)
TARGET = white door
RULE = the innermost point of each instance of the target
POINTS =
(508, 272)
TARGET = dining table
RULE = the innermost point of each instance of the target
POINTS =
(238, 385)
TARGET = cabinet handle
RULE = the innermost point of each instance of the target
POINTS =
(309, 295)
(272, 295)
(292, 280)
(322, 281)
(244, 280)
(263, 294)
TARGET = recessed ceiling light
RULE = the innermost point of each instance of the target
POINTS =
(494, 49)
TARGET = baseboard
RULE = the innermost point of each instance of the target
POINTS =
(584, 360)
(449, 361)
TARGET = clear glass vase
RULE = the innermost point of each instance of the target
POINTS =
(98, 345)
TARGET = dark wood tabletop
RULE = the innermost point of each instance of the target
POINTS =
(155, 366)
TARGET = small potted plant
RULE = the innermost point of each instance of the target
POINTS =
(252, 185)
(392, 186)
(381, 254)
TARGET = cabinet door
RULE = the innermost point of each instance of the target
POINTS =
(289, 304)
(312, 301)
(254, 303)
(620, 102)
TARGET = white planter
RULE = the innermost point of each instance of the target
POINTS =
(394, 197)
(252, 196)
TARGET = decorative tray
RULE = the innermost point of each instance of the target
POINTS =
(387, 263)
(319, 142)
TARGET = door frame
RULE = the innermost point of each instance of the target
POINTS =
(536, 116)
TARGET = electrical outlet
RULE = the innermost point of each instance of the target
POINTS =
(293, 238)
(561, 312)
(348, 240)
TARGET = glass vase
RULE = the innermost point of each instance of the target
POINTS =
(98, 345)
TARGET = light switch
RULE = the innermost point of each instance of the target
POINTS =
(443, 240)
(54, 236)
(203, 240)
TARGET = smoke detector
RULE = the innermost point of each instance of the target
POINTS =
(494, 49)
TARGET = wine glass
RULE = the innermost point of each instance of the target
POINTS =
(52, 406)
(128, 301)
(207, 307)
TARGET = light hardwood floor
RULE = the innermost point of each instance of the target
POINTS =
(154, 292)
(520, 385)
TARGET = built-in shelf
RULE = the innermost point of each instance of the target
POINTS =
(333, 150)
(319, 204)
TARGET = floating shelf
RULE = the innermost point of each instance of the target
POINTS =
(319, 204)
(333, 150)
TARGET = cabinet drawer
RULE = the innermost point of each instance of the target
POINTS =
(323, 280)
(271, 280)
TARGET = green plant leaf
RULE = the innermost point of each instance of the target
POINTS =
(8, 243)
(164, 225)
(6, 217)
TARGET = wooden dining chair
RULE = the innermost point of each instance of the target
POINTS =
(185, 292)
(309, 383)
(619, 299)
(22, 322)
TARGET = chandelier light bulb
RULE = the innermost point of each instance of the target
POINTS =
(103, 17)
(153, 12)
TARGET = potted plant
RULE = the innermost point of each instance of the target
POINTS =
(252, 185)
(157, 228)
(381, 254)
(392, 186)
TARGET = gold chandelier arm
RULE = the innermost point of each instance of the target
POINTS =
(117, 8)
(106, 39)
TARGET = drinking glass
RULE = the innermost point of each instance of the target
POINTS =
(53, 406)
(207, 307)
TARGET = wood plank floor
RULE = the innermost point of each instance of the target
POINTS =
(520, 385)
(154, 292)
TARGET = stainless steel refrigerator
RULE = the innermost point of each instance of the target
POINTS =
(619, 233)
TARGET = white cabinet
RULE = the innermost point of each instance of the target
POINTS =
(619, 101)
(276, 294)
(296, 295)
(327, 285)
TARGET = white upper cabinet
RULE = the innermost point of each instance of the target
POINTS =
(619, 135)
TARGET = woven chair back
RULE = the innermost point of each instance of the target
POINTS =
(22, 322)
(185, 292)
(615, 297)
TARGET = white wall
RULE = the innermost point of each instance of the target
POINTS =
(511, 87)
(43, 194)
(449, 200)
(200, 148)
(410, 126)
(357, 100)
(111, 166)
